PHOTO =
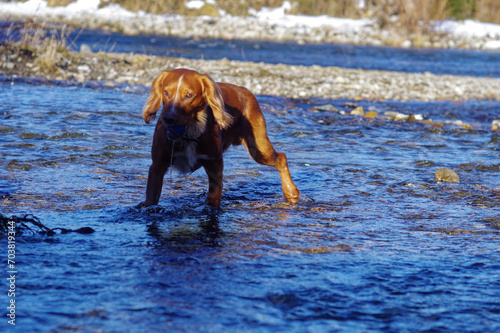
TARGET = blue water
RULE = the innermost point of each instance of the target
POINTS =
(438, 61)
(375, 245)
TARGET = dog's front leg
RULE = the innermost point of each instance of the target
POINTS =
(161, 155)
(155, 183)
(214, 169)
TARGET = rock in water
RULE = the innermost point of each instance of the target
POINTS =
(326, 107)
(446, 175)
(495, 125)
(370, 114)
(358, 111)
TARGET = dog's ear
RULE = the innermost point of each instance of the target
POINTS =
(213, 95)
(155, 98)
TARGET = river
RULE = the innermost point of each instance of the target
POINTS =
(374, 245)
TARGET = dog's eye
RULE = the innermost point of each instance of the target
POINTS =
(188, 96)
(166, 93)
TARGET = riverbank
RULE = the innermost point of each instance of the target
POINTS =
(114, 69)
(272, 24)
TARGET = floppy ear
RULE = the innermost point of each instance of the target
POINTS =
(213, 95)
(154, 100)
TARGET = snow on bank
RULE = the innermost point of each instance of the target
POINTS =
(114, 12)
(40, 8)
(471, 29)
(276, 17)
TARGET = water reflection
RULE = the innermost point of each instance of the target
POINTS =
(185, 227)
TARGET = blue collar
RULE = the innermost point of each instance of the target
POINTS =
(177, 132)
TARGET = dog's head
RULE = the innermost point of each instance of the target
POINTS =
(186, 96)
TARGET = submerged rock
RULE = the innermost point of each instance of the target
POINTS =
(495, 139)
(326, 107)
(358, 111)
(370, 114)
(396, 115)
(495, 125)
(446, 175)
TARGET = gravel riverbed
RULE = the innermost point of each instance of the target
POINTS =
(113, 69)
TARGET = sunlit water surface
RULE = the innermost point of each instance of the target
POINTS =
(376, 244)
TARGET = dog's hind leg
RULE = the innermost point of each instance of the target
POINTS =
(262, 151)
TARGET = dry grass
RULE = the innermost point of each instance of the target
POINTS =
(151, 6)
(240, 7)
(234, 7)
(412, 12)
(51, 3)
(487, 11)
(340, 8)
(409, 12)
(55, 3)
(48, 58)
(415, 16)
(32, 40)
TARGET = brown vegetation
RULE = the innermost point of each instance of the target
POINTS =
(151, 6)
(341, 8)
(408, 12)
(241, 7)
(55, 3)
(487, 11)
(32, 41)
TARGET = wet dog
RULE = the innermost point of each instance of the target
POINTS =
(199, 120)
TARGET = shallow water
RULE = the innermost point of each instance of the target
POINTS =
(375, 244)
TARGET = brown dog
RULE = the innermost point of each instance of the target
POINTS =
(199, 120)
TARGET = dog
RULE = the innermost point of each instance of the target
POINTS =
(199, 120)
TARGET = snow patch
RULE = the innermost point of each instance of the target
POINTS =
(194, 4)
(469, 28)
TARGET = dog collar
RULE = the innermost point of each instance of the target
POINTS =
(175, 132)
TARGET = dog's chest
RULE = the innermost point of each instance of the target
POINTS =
(185, 158)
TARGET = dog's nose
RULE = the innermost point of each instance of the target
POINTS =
(169, 119)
